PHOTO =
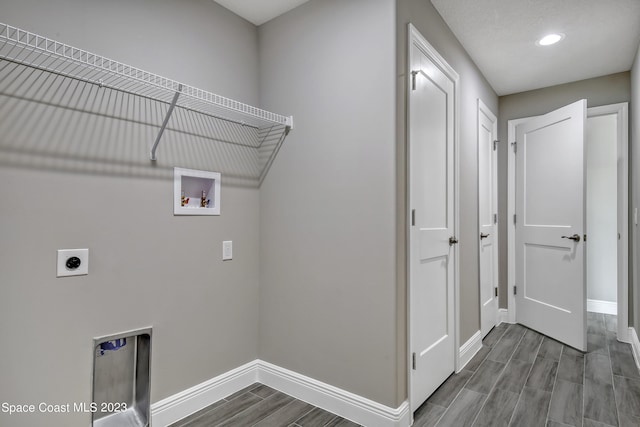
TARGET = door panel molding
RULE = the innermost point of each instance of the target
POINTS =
(550, 190)
(417, 41)
(488, 240)
(621, 110)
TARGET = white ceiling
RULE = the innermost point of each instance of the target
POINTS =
(602, 37)
(260, 11)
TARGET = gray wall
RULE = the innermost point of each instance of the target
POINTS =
(68, 188)
(473, 85)
(597, 91)
(327, 208)
(332, 294)
(634, 202)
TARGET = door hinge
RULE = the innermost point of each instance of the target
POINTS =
(495, 144)
(515, 290)
(514, 218)
(585, 237)
(515, 146)
(495, 293)
(413, 217)
(495, 218)
(413, 361)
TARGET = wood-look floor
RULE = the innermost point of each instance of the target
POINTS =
(262, 406)
(521, 378)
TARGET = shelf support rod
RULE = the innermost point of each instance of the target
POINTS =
(165, 122)
(286, 131)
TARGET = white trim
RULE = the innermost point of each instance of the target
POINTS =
(503, 316)
(622, 110)
(511, 211)
(333, 399)
(173, 408)
(469, 349)
(483, 109)
(606, 307)
(635, 345)
(414, 36)
(341, 402)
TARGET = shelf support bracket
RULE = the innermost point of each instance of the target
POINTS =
(267, 166)
(165, 122)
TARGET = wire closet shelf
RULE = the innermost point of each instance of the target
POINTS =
(45, 54)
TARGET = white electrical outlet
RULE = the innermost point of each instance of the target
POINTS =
(227, 250)
(73, 262)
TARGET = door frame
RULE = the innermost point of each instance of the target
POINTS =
(417, 39)
(483, 109)
(622, 112)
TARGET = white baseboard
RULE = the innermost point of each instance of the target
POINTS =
(341, 402)
(606, 307)
(346, 404)
(635, 346)
(469, 349)
(180, 405)
(503, 315)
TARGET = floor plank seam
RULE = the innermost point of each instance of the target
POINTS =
(303, 415)
(553, 389)
(584, 385)
(481, 407)
(613, 382)
(454, 399)
(485, 401)
(464, 386)
(440, 418)
(494, 385)
(525, 381)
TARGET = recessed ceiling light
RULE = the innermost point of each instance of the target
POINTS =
(550, 39)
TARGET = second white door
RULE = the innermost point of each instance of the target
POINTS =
(487, 216)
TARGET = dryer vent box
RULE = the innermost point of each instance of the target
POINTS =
(121, 380)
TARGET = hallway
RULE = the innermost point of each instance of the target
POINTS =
(522, 378)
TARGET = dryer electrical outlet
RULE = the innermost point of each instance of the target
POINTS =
(73, 262)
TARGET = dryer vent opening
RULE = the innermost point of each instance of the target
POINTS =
(121, 380)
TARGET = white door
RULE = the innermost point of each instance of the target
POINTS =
(487, 216)
(550, 220)
(431, 237)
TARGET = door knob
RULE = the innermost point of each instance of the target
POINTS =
(484, 236)
(575, 237)
(452, 240)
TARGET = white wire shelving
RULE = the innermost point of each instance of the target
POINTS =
(28, 49)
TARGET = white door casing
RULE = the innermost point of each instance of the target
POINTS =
(432, 208)
(622, 149)
(487, 216)
(550, 211)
